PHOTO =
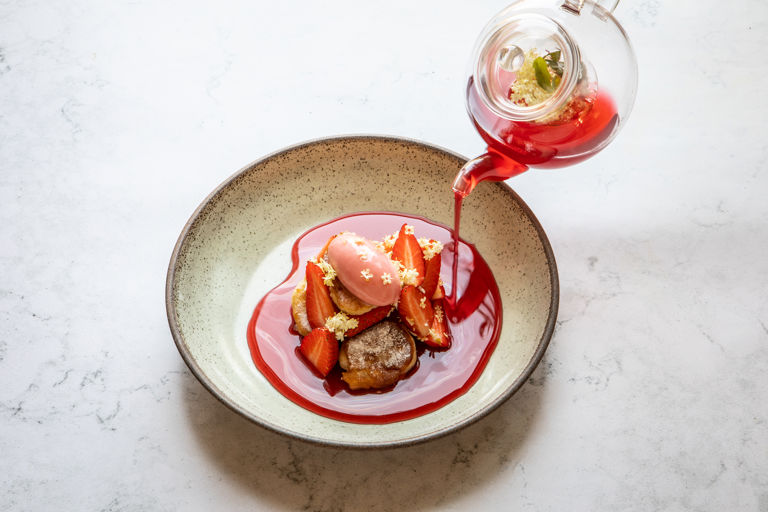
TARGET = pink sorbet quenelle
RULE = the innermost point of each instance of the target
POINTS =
(364, 270)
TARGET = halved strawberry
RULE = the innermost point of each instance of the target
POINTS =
(439, 335)
(321, 349)
(431, 275)
(366, 320)
(415, 309)
(408, 252)
(319, 304)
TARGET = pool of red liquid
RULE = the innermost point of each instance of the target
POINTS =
(440, 375)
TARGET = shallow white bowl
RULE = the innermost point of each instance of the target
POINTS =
(236, 247)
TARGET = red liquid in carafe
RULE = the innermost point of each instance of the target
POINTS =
(566, 140)
(440, 375)
(514, 145)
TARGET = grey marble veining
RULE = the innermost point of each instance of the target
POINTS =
(118, 118)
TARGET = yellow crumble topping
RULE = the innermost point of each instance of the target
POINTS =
(430, 248)
(329, 274)
(409, 276)
(366, 273)
(339, 324)
(397, 264)
(525, 90)
(389, 242)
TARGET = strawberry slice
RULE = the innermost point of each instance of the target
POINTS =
(416, 310)
(439, 335)
(439, 292)
(366, 320)
(319, 304)
(431, 275)
(321, 349)
(408, 252)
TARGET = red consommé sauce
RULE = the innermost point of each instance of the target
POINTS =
(440, 375)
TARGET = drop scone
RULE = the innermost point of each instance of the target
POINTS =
(373, 298)
(377, 357)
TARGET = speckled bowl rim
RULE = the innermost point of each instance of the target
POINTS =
(198, 372)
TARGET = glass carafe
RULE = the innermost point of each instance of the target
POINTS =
(550, 84)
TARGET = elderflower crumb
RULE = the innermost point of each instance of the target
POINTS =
(438, 313)
(363, 255)
(423, 303)
(386, 278)
(409, 230)
(430, 248)
(366, 273)
(409, 276)
(389, 242)
(397, 264)
(339, 324)
(329, 274)
(526, 91)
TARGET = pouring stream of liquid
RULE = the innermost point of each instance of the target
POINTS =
(490, 166)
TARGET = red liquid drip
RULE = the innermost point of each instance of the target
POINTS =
(557, 143)
(440, 377)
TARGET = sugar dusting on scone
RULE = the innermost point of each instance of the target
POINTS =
(378, 357)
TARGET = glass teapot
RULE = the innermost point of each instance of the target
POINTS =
(551, 83)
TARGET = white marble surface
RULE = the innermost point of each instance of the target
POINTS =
(117, 118)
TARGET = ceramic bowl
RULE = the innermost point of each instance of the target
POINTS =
(236, 247)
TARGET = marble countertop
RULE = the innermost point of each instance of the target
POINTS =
(118, 118)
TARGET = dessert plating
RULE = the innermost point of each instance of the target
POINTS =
(374, 298)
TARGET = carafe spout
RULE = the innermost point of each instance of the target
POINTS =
(488, 166)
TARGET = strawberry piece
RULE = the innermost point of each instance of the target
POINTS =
(366, 320)
(439, 292)
(416, 310)
(439, 335)
(408, 252)
(320, 307)
(321, 349)
(431, 275)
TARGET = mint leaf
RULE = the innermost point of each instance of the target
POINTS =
(553, 59)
